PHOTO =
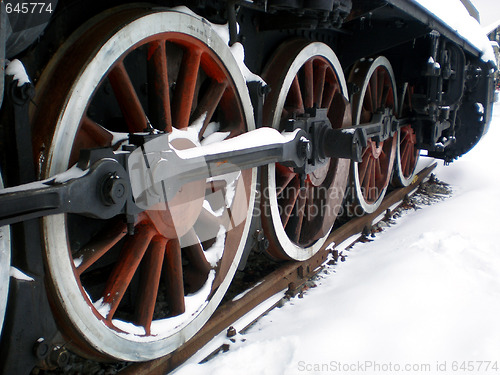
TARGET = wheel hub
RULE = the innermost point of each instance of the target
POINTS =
(315, 123)
(376, 148)
(175, 217)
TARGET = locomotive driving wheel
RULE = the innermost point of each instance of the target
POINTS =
(139, 294)
(407, 154)
(377, 92)
(298, 211)
(4, 266)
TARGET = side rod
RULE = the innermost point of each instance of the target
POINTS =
(101, 192)
(110, 183)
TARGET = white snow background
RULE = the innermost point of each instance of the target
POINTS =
(424, 294)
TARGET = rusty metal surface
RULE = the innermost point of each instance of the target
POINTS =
(291, 275)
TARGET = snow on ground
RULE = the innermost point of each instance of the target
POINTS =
(423, 298)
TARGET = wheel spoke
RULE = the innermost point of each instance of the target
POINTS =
(363, 166)
(194, 253)
(413, 162)
(308, 84)
(368, 175)
(209, 103)
(368, 100)
(295, 97)
(150, 281)
(330, 91)
(289, 202)
(127, 98)
(366, 116)
(378, 169)
(197, 270)
(405, 135)
(99, 246)
(234, 133)
(159, 89)
(186, 87)
(96, 132)
(339, 111)
(385, 96)
(409, 101)
(405, 157)
(174, 279)
(373, 185)
(283, 178)
(319, 83)
(91, 135)
(295, 223)
(310, 203)
(131, 255)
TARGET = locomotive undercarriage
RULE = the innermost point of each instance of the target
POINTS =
(122, 262)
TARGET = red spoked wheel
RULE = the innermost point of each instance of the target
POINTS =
(377, 92)
(138, 296)
(297, 219)
(407, 152)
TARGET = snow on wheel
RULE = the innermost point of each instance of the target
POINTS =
(4, 266)
(139, 296)
(377, 92)
(297, 220)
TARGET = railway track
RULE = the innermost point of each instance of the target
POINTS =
(291, 276)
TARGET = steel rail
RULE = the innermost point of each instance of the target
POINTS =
(291, 275)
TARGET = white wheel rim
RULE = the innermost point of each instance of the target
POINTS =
(401, 179)
(379, 61)
(127, 346)
(291, 249)
(4, 266)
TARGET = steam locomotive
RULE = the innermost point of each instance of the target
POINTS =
(146, 148)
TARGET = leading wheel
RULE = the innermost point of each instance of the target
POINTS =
(377, 92)
(4, 266)
(138, 296)
(297, 219)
